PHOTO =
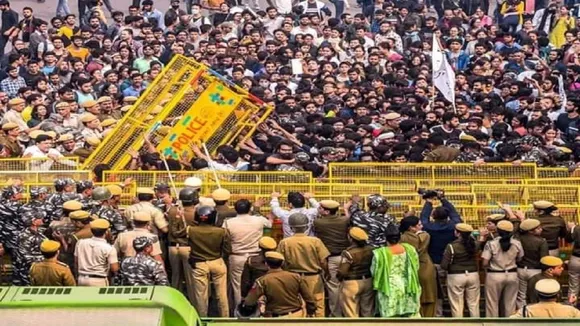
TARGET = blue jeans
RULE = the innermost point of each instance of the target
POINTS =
(62, 8)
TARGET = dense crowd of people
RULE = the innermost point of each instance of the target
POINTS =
(327, 260)
(345, 87)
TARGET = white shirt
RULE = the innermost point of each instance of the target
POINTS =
(309, 30)
(35, 152)
(95, 256)
(283, 215)
(245, 232)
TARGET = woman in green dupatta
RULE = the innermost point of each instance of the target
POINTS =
(395, 270)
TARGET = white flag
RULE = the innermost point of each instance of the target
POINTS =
(443, 74)
(562, 91)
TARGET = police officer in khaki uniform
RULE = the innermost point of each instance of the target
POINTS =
(145, 196)
(535, 247)
(95, 258)
(80, 220)
(460, 262)
(284, 291)
(178, 251)
(124, 242)
(10, 140)
(89, 145)
(500, 256)
(357, 296)
(255, 266)
(207, 243)
(51, 272)
(489, 232)
(332, 229)
(552, 268)
(573, 236)
(553, 225)
(548, 307)
(221, 197)
(306, 256)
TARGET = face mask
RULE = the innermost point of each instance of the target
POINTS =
(175, 7)
(195, 11)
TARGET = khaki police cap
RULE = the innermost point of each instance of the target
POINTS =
(505, 226)
(467, 137)
(543, 204)
(65, 137)
(126, 108)
(104, 99)
(130, 99)
(88, 117)
(49, 246)
(547, 287)
(115, 190)
(35, 133)
(108, 122)
(142, 217)
(329, 204)
(72, 205)
(529, 224)
(51, 134)
(495, 217)
(89, 104)
(100, 224)
(221, 194)
(62, 105)
(145, 191)
(392, 116)
(274, 255)
(358, 234)
(463, 227)
(93, 141)
(193, 182)
(16, 101)
(9, 126)
(267, 243)
(551, 261)
(79, 215)
(564, 150)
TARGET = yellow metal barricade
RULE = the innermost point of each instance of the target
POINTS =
(42, 176)
(525, 194)
(39, 164)
(430, 171)
(554, 181)
(544, 173)
(463, 185)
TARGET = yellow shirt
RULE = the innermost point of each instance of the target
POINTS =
(81, 53)
(27, 113)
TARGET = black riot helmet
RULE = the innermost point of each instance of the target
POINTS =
(189, 197)
(206, 215)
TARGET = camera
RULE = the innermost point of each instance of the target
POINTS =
(431, 193)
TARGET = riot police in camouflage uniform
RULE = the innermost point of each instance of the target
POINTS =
(11, 223)
(85, 192)
(64, 192)
(375, 221)
(102, 209)
(38, 203)
(142, 269)
(28, 250)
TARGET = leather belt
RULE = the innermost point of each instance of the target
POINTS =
(92, 275)
(461, 272)
(506, 271)
(352, 278)
(286, 313)
(308, 273)
(244, 253)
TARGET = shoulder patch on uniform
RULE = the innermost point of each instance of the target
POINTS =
(62, 264)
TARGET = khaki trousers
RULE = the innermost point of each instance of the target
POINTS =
(524, 275)
(357, 298)
(573, 275)
(441, 276)
(316, 287)
(216, 271)
(183, 255)
(236, 264)
(500, 287)
(93, 281)
(461, 288)
(177, 277)
(333, 286)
